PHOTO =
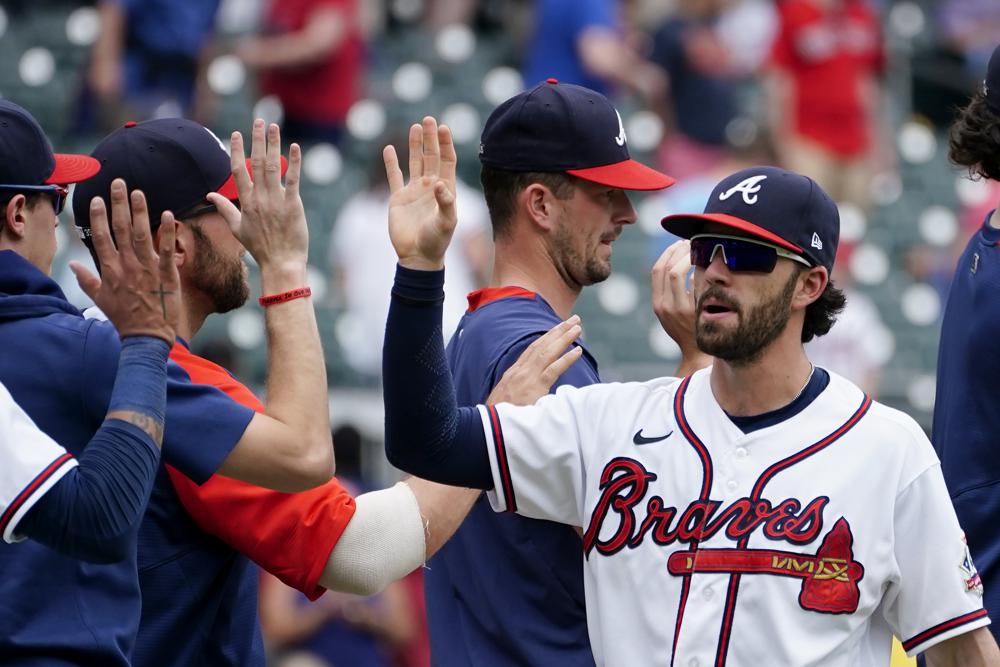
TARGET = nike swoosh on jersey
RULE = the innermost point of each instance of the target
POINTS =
(640, 439)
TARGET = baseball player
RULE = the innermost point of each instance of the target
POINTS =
(759, 512)
(964, 415)
(200, 542)
(61, 368)
(557, 202)
(46, 493)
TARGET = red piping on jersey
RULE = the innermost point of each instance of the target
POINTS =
(725, 632)
(31, 488)
(706, 489)
(502, 463)
(940, 628)
(481, 297)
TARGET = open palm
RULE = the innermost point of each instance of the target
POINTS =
(422, 213)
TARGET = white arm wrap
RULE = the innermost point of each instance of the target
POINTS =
(383, 542)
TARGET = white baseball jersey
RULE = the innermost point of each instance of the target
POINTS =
(806, 543)
(30, 463)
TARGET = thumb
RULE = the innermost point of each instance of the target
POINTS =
(228, 210)
(446, 201)
(89, 283)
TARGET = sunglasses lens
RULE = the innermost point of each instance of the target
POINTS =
(738, 255)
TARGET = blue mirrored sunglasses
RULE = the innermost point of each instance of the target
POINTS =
(739, 254)
(58, 193)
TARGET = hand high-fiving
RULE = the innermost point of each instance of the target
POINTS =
(422, 213)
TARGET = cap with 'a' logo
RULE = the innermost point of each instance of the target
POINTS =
(774, 205)
(175, 162)
(567, 128)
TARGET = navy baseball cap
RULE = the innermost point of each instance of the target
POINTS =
(26, 156)
(787, 209)
(174, 161)
(560, 127)
(991, 86)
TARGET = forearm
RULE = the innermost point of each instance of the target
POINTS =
(972, 649)
(442, 508)
(323, 34)
(297, 393)
(108, 46)
(93, 513)
(426, 433)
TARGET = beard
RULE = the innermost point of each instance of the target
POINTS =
(223, 280)
(577, 270)
(757, 328)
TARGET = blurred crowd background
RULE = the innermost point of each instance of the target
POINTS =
(857, 94)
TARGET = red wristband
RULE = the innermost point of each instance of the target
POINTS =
(272, 299)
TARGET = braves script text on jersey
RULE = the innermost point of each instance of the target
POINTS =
(808, 543)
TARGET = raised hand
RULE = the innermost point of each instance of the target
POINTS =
(539, 366)
(422, 213)
(674, 304)
(271, 221)
(139, 289)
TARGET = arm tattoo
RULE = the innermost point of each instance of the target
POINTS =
(152, 426)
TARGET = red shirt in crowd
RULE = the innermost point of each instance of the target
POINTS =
(829, 53)
(321, 92)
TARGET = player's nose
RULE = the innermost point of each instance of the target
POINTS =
(625, 213)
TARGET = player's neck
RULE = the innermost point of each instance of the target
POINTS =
(192, 315)
(764, 385)
(532, 270)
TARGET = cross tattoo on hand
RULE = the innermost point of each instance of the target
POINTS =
(163, 300)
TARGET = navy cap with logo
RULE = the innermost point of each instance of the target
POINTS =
(175, 162)
(991, 86)
(26, 156)
(560, 127)
(774, 205)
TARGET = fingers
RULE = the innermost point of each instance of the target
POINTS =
(258, 154)
(449, 158)
(561, 365)
(121, 217)
(416, 152)
(89, 283)
(551, 345)
(446, 201)
(238, 165)
(165, 249)
(99, 234)
(294, 173)
(393, 174)
(228, 210)
(431, 148)
(142, 241)
(272, 161)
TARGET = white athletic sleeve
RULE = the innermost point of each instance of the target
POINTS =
(939, 593)
(536, 453)
(30, 464)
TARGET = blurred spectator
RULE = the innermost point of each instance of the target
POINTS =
(970, 27)
(147, 58)
(583, 42)
(702, 93)
(363, 259)
(311, 56)
(824, 95)
(860, 346)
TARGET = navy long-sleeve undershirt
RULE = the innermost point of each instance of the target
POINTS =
(426, 433)
(93, 512)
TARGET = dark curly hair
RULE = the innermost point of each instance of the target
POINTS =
(822, 313)
(974, 141)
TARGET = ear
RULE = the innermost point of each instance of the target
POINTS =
(183, 243)
(811, 284)
(14, 219)
(539, 205)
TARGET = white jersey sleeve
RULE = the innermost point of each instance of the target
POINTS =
(30, 464)
(938, 594)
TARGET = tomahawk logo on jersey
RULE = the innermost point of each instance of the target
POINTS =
(807, 542)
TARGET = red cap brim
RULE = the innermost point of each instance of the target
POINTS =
(687, 225)
(229, 189)
(73, 169)
(627, 175)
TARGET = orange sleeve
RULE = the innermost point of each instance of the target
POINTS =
(289, 535)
